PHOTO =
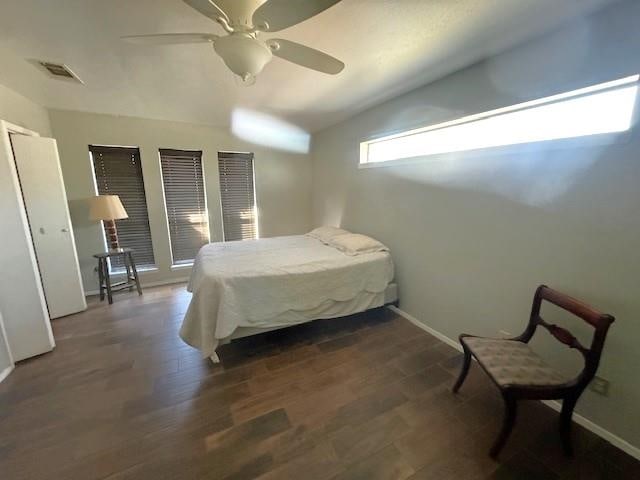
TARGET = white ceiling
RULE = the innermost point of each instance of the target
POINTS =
(389, 46)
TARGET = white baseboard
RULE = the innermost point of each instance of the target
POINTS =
(612, 438)
(579, 419)
(149, 284)
(426, 328)
(5, 373)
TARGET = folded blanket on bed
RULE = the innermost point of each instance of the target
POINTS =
(247, 283)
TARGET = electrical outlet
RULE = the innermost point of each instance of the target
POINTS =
(504, 333)
(600, 386)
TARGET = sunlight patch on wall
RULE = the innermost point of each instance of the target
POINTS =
(269, 131)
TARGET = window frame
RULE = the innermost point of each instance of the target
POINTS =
(594, 139)
(166, 211)
(105, 244)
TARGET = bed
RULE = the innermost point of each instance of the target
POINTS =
(249, 287)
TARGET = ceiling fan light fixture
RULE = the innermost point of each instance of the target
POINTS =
(244, 20)
(245, 81)
(244, 55)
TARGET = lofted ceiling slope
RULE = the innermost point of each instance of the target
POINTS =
(388, 46)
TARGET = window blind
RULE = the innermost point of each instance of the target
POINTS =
(237, 195)
(118, 172)
(185, 201)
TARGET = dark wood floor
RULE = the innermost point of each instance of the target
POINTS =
(365, 397)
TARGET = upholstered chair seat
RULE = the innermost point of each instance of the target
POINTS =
(510, 362)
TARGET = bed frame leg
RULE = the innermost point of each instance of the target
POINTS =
(214, 358)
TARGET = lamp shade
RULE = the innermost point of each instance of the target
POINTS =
(106, 207)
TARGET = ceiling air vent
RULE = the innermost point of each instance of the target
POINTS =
(58, 70)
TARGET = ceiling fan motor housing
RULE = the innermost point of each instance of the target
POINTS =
(244, 55)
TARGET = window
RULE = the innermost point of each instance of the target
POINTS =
(118, 172)
(237, 195)
(184, 198)
(604, 108)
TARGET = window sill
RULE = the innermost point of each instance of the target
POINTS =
(181, 266)
(139, 270)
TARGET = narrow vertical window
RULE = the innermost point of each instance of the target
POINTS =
(118, 171)
(185, 201)
(237, 195)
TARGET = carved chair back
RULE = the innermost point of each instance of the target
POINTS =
(599, 321)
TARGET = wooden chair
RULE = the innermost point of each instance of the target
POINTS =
(520, 374)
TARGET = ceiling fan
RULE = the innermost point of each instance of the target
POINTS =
(243, 20)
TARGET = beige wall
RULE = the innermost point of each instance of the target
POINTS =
(282, 181)
(473, 234)
(23, 112)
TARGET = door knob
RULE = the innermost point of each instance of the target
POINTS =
(41, 230)
(64, 230)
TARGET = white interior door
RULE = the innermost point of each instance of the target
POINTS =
(45, 201)
(24, 309)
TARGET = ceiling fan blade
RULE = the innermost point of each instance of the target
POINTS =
(276, 15)
(171, 38)
(305, 56)
(208, 8)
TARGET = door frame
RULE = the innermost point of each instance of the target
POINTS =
(6, 129)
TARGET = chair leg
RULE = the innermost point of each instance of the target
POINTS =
(507, 425)
(465, 370)
(568, 404)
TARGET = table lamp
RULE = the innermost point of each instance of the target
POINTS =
(108, 208)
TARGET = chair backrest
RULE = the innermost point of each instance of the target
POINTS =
(599, 321)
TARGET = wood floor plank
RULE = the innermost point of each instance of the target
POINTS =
(319, 463)
(365, 408)
(366, 396)
(356, 443)
(255, 430)
(338, 343)
(387, 464)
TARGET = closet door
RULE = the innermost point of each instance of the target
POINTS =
(45, 201)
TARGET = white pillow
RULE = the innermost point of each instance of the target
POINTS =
(326, 233)
(357, 244)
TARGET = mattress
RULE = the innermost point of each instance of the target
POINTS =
(288, 280)
(362, 302)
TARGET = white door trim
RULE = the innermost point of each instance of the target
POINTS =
(3, 333)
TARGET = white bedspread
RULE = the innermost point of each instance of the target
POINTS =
(247, 283)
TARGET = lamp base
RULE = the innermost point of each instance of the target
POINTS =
(112, 234)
